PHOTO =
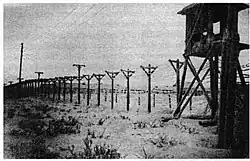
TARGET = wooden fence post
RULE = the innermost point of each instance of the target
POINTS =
(112, 76)
(150, 71)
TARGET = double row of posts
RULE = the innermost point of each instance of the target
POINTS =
(55, 88)
(39, 86)
(47, 82)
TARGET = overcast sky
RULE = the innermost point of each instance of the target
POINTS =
(101, 36)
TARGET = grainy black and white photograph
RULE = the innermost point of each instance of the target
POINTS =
(125, 80)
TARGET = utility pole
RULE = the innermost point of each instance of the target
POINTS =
(79, 78)
(21, 61)
(20, 80)
(20, 71)
(112, 76)
(38, 79)
(88, 78)
(127, 73)
(177, 71)
(99, 78)
(149, 70)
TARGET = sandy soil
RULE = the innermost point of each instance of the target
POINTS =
(135, 134)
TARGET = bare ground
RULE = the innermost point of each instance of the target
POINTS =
(135, 134)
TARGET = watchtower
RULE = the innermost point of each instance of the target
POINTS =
(200, 19)
(202, 42)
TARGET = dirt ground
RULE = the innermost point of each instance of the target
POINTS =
(134, 134)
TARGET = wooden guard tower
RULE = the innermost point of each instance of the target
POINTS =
(201, 42)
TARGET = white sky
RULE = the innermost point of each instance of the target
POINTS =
(101, 36)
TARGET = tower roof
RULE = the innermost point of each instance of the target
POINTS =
(217, 7)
